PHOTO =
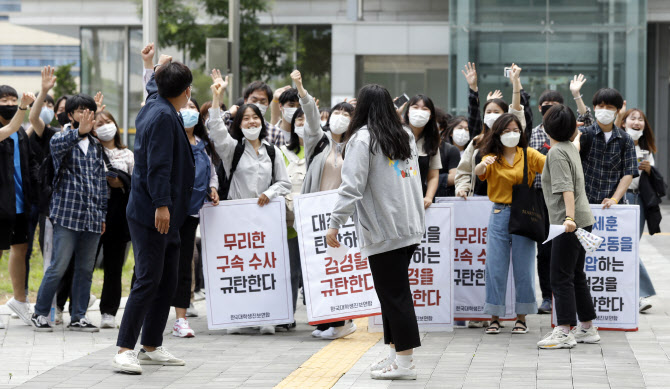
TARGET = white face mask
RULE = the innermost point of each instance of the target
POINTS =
(460, 136)
(261, 107)
(300, 131)
(635, 134)
(339, 123)
(252, 132)
(323, 123)
(106, 132)
(511, 139)
(491, 118)
(288, 113)
(418, 117)
(605, 116)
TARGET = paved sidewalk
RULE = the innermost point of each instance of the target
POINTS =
(465, 358)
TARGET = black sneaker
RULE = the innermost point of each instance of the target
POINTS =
(40, 323)
(83, 325)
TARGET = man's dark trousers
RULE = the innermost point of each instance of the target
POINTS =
(156, 264)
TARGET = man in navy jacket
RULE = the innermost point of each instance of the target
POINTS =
(161, 188)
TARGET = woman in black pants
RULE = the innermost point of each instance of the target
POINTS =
(382, 184)
(565, 195)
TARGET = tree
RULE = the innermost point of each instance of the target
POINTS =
(65, 83)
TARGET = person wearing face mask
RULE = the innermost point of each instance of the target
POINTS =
(450, 156)
(502, 167)
(466, 182)
(18, 169)
(288, 105)
(323, 152)
(325, 113)
(162, 183)
(608, 153)
(59, 107)
(642, 190)
(260, 171)
(119, 163)
(420, 117)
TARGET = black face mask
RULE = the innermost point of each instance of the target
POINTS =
(8, 111)
(62, 119)
(545, 108)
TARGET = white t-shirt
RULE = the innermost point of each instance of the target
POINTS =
(642, 155)
(83, 145)
(608, 136)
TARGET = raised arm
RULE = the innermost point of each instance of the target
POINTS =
(275, 112)
(575, 88)
(148, 60)
(474, 118)
(48, 82)
(313, 131)
(15, 123)
(516, 108)
(63, 141)
(224, 144)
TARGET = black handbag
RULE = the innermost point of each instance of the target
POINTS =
(527, 213)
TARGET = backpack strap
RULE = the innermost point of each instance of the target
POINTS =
(237, 155)
(323, 142)
(271, 153)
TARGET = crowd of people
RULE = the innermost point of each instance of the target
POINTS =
(70, 174)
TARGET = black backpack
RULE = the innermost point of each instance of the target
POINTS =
(237, 155)
(323, 142)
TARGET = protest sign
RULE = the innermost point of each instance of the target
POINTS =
(246, 264)
(612, 271)
(471, 221)
(337, 286)
(431, 274)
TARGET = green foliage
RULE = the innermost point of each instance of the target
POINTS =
(65, 82)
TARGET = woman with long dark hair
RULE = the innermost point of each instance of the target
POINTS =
(504, 150)
(421, 119)
(253, 175)
(380, 176)
(205, 186)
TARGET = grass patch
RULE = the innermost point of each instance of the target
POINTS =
(37, 271)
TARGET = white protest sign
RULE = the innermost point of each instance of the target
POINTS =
(431, 274)
(612, 271)
(471, 221)
(246, 264)
(335, 288)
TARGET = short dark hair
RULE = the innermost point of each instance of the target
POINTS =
(257, 85)
(236, 127)
(82, 101)
(239, 102)
(560, 123)
(47, 99)
(609, 96)
(6, 90)
(64, 97)
(550, 95)
(289, 95)
(173, 79)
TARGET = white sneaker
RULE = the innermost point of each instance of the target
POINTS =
(127, 362)
(557, 339)
(267, 330)
(21, 309)
(91, 300)
(395, 372)
(191, 311)
(198, 296)
(383, 364)
(160, 356)
(234, 331)
(181, 329)
(107, 321)
(339, 332)
(586, 336)
(317, 333)
(644, 304)
(59, 317)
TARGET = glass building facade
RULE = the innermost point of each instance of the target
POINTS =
(552, 41)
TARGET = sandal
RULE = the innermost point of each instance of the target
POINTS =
(520, 329)
(494, 328)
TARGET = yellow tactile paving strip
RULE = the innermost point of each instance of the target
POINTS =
(324, 368)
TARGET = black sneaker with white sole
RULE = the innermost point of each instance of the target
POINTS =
(40, 323)
(83, 325)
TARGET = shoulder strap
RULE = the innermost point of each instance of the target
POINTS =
(271, 153)
(323, 142)
(525, 166)
(237, 155)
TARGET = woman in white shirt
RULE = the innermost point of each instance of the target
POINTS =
(253, 175)
(638, 128)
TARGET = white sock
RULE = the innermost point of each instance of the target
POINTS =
(392, 354)
(404, 361)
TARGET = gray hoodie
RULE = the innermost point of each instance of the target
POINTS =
(386, 196)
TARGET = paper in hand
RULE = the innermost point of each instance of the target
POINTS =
(554, 231)
(337, 253)
(589, 241)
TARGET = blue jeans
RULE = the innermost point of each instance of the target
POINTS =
(497, 266)
(646, 286)
(84, 245)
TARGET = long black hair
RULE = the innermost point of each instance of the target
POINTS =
(430, 133)
(491, 143)
(500, 103)
(375, 109)
(343, 106)
(448, 132)
(294, 143)
(236, 129)
(201, 132)
(118, 143)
